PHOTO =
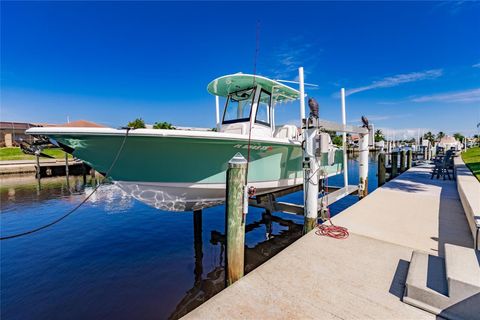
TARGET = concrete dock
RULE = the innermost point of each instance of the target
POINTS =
(361, 277)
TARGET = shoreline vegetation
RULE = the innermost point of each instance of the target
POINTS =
(471, 157)
(15, 153)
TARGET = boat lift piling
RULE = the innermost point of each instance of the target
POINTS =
(311, 178)
(363, 170)
(344, 138)
(310, 164)
(302, 93)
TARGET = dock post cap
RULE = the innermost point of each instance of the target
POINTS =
(238, 159)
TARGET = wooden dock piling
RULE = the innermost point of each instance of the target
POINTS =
(409, 159)
(402, 161)
(381, 169)
(394, 171)
(67, 175)
(235, 220)
(37, 168)
(66, 165)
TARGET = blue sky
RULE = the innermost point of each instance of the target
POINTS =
(405, 65)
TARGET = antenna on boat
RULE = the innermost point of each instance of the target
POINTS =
(254, 75)
(257, 44)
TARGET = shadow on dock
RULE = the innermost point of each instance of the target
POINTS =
(397, 287)
(452, 226)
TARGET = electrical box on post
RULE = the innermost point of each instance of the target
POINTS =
(322, 144)
(306, 164)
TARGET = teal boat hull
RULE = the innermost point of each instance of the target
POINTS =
(181, 173)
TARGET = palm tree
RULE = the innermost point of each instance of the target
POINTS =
(429, 136)
(379, 135)
(458, 136)
(440, 135)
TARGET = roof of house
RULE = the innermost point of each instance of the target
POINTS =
(448, 140)
(354, 136)
(11, 125)
(77, 124)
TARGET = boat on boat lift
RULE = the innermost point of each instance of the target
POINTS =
(180, 170)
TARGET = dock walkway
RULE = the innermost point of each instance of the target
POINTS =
(362, 277)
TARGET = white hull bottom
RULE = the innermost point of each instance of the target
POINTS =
(188, 196)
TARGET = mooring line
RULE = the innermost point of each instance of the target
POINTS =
(77, 206)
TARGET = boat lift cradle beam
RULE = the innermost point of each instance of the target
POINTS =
(338, 127)
(269, 201)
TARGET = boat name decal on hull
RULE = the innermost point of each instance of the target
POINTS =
(245, 146)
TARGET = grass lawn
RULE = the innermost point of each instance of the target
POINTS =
(17, 154)
(472, 160)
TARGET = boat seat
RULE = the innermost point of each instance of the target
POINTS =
(238, 128)
(287, 131)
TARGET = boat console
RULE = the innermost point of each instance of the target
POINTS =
(250, 108)
(250, 102)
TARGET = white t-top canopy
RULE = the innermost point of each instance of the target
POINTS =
(228, 84)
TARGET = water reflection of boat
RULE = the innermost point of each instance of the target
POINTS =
(111, 197)
(183, 170)
(206, 287)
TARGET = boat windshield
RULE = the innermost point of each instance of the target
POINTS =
(239, 106)
(263, 109)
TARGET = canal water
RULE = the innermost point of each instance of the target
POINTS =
(121, 259)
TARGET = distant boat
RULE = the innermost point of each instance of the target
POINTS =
(180, 170)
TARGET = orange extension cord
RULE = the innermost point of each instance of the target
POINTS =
(333, 231)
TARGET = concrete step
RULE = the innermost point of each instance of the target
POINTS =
(447, 287)
(463, 272)
(426, 285)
